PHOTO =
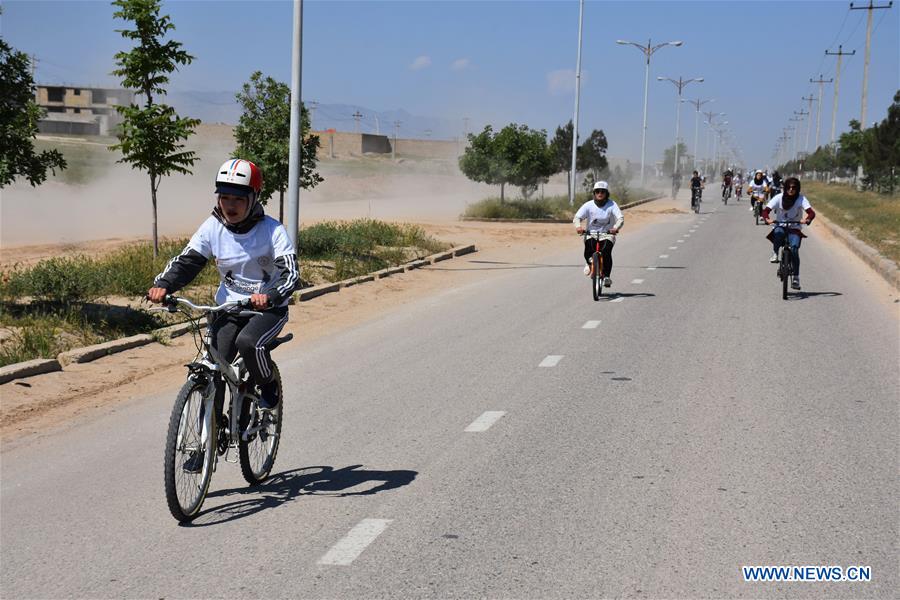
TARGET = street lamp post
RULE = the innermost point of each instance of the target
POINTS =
(648, 51)
(697, 104)
(679, 84)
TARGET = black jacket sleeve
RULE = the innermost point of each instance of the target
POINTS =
(181, 270)
(287, 281)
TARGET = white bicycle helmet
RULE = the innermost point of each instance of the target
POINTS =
(239, 177)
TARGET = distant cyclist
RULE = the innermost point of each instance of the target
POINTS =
(775, 184)
(726, 183)
(604, 218)
(790, 205)
(757, 189)
(697, 185)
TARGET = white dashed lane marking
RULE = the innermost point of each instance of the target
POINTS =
(651, 268)
(664, 256)
(591, 325)
(637, 281)
(621, 299)
(550, 361)
(484, 422)
(353, 544)
(673, 247)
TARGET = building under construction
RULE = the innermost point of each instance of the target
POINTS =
(80, 110)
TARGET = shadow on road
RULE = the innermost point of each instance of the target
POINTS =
(308, 481)
(803, 295)
(610, 296)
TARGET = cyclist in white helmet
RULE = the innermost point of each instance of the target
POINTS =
(605, 218)
(256, 261)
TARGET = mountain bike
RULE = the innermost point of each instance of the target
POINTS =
(785, 259)
(199, 433)
(696, 194)
(726, 194)
(596, 266)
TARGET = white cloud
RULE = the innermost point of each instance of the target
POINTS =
(420, 63)
(460, 64)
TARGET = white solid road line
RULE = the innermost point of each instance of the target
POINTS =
(550, 361)
(637, 281)
(351, 545)
(591, 325)
(484, 422)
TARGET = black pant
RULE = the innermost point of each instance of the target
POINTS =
(606, 246)
(249, 336)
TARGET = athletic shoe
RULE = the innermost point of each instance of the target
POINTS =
(795, 283)
(774, 258)
(194, 463)
(607, 282)
(268, 396)
(587, 270)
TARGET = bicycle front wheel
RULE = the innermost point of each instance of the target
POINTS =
(190, 452)
(262, 430)
(785, 268)
(597, 275)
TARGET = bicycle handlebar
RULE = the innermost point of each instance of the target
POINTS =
(171, 301)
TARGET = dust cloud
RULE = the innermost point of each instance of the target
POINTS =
(113, 201)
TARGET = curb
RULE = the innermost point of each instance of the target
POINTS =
(89, 353)
(173, 331)
(883, 266)
(28, 368)
(315, 291)
(492, 220)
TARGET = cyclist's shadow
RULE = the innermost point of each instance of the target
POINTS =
(308, 481)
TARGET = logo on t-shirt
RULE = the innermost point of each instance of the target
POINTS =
(264, 261)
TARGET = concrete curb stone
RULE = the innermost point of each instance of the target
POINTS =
(28, 368)
(89, 353)
(883, 266)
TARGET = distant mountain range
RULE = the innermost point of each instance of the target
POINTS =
(221, 107)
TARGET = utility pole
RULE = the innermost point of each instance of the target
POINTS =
(356, 117)
(697, 104)
(34, 61)
(394, 145)
(865, 85)
(466, 127)
(709, 120)
(837, 83)
(797, 135)
(809, 122)
(802, 113)
(821, 83)
(577, 95)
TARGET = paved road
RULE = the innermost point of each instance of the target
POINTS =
(704, 424)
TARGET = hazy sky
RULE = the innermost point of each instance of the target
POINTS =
(501, 62)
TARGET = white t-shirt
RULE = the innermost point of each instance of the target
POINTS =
(795, 213)
(246, 261)
(600, 218)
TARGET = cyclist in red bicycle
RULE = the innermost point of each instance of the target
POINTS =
(605, 218)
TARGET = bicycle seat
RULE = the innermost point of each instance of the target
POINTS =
(279, 341)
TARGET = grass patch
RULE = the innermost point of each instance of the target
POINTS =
(550, 207)
(873, 218)
(333, 251)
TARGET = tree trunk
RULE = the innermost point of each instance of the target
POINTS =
(281, 205)
(502, 197)
(155, 231)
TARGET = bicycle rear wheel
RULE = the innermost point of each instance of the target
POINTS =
(190, 452)
(257, 452)
(597, 275)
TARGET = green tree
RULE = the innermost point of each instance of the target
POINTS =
(516, 155)
(151, 135)
(880, 150)
(669, 157)
(591, 154)
(263, 136)
(19, 116)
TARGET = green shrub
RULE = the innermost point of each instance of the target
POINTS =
(63, 280)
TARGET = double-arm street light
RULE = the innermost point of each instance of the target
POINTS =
(679, 84)
(710, 116)
(697, 104)
(648, 51)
